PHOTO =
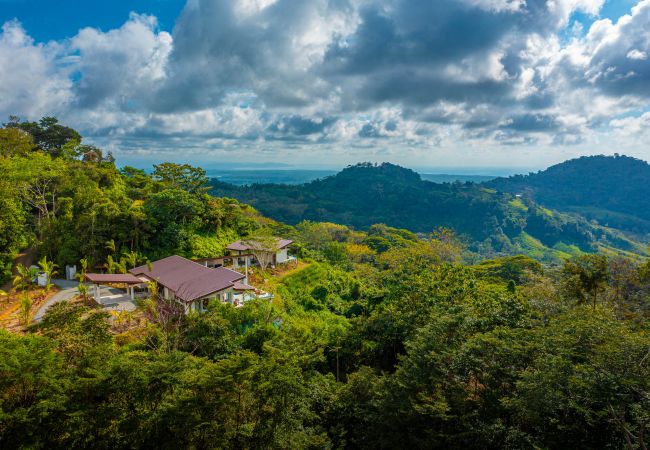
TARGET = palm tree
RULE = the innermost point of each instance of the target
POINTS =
(24, 277)
(110, 264)
(121, 266)
(110, 246)
(49, 268)
(131, 258)
(25, 309)
(81, 275)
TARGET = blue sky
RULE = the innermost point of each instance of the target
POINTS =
(452, 83)
(46, 20)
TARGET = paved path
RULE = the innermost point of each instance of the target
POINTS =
(66, 293)
(112, 298)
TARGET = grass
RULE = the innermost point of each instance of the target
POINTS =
(307, 277)
(534, 248)
(617, 252)
(518, 204)
(546, 211)
(569, 250)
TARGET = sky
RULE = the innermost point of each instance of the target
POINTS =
(326, 83)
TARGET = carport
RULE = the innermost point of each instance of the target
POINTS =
(121, 279)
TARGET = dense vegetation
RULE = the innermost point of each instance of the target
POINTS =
(68, 201)
(380, 338)
(611, 189)
(489, 221)
(399, 348)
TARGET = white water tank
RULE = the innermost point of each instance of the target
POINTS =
(70, 272)
(41, 279)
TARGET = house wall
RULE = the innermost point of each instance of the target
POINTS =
(225, 296)
(281, 256)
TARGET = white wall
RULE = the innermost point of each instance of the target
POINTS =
(281, 256)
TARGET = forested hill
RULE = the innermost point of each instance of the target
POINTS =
(367, 194)
(67, 201)
(615, 190)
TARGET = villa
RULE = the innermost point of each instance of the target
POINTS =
(243, 252)
(191, 284)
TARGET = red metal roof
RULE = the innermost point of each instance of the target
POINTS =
(239, 286)
(125, 278)
(188, 280)
(243, 246)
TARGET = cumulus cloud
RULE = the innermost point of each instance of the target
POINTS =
(394, 74)
(119, 65)
(613, 55)
(33, 79)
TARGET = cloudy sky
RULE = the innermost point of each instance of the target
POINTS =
(521, 83)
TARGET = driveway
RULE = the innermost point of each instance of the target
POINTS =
(111, 298)
(67, 292)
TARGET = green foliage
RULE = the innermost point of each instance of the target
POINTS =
(381, 339)
(181, 176)
(25, 312)
(14, 141)
(24, 277)
(513, 268)
(364, 195)
(610, 189)
(586, 276)
(49, 269)
(69, 204)
(48, 135)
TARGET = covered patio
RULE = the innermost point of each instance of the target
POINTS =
(115, 291)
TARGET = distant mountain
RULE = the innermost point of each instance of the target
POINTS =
(614, 190)
(367, 194)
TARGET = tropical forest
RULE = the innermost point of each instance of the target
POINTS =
(410, 315)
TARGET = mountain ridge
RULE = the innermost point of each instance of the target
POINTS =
(613, 190)
(491, 221)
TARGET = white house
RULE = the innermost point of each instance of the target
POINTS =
(190, 284)
(243, 252)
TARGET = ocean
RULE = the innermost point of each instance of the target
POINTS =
(243, 177)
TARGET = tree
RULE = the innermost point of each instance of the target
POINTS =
(263, 246)
(91, 154)
(24, 277)
(81, 276)
(111, 265)
(181, 176)
(14, 141)
(48, 134)
(131, 259)
(49, 268)
(173, 206)
(586, 276)
(32, 389)
(39, 181)
(25, 309)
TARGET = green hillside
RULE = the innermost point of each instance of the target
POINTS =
(488, 220)
(614, 190)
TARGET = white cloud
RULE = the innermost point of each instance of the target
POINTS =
(637, 54)
(33, 80)
(257, 75)
(122, 65)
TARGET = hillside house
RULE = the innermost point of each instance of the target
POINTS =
(191, 284)
(244, 252)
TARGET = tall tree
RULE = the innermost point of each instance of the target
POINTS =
(14, 141)
(181, 176)
(48, 134)
(586, 276)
